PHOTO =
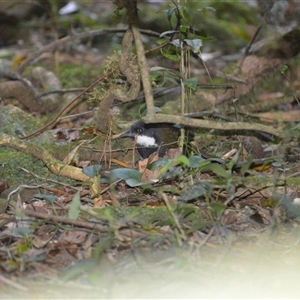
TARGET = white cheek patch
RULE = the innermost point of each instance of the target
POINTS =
(145, 141)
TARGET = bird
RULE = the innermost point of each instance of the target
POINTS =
(153, 137)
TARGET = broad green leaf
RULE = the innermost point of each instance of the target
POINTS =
(195, 161)
(92, 171)
(160, 163)
(171, 172)
(182, 159)
(125, 173)
(218, 208)
(74, 209)
(191, 83)
(195, 44)
(193, 192)
(218, 170)
(135, 183)
(175, 43)
(170, 13)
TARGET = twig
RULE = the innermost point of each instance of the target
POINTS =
(58, 219)
(181, 231)
(56, 44)
(208, 236)
(20, 187)
(50, 180)
(67, 108)
(238, 67)
(63, 91)
(16, 76)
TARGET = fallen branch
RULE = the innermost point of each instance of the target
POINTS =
(162, 118)
(53, 164)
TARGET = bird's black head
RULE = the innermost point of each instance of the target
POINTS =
(151, 137)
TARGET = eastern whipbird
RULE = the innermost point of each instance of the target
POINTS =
(154, 137)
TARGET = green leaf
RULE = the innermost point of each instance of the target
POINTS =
(171, 172)
(168, 32)
(92, 171)
(195, 44)
(233, 161)
(183, 28)
(217, 208)
(284, 69)
(74, 210)
(154, 77)
(125, 173)
(185, 210)
(173, 57)
(182, 159)
(160, 163)
(218, 170)
(49, 198)
(135, 183)
(245, 166)
(191, 83)
(195, 161)
(170, 13)
(193, 192)
(185, 15)
(175, 43)
(162, 41)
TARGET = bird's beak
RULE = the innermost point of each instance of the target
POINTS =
(126, 134)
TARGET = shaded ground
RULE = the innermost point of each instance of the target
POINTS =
(99, 225)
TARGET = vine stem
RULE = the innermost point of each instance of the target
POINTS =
(143, 65)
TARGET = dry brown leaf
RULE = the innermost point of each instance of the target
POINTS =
(76, 236)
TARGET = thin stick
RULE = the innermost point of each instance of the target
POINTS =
(58, 219)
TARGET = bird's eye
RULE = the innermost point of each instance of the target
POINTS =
(139, 130)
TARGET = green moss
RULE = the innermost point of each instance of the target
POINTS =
(78, 76)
